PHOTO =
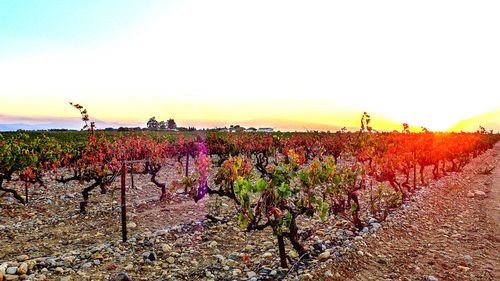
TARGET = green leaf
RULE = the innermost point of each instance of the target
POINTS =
(287, 220)
(283, 188)
(242, 221)
(237, 188)
(325, 207)
(313, 199)
(260, 185)
(354, 207)
(245, 198)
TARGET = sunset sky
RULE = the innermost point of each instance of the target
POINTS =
(285, 64)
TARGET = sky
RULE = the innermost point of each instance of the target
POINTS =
(286, 64)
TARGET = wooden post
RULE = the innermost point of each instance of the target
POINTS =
(132, 177)
(123, 206)
(414, 170)
(26, 193)
(187, 164)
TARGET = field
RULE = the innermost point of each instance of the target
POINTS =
(247, 206)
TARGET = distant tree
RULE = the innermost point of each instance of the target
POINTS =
(162, 125)
(483, 130)
(406, 128)
(152, 123)
(184, 129)
(171, 124)
(365, 122)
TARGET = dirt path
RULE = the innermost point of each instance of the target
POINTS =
(492, 209)
(450, 231)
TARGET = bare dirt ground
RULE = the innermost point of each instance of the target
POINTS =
(447, 231)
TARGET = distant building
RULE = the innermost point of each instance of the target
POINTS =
(265, 130)
(251, 130)
(236, 128)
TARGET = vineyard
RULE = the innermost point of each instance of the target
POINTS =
(215, 206)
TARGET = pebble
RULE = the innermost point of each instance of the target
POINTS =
(251, 274)
(86, 265)
(147, 242)
(149, 256)
(161, 232)
(268, 244)
(22, 258)
(468, 259)
(9, 277)
(166, 248)
(69, 259)
(479, 193)
(131, 225)
(22, 269)
(122, 276)
(431, 278)
(463, 268)
(266, 255)
(129, 267)
(376, 226)
(97, 256)
(59, 270)
(264, 271)
(236, 272)
(51, 262)
(328, 274)
(324, 256)
(11, 270)
(233, 257)
(170, 260)
(3, 267)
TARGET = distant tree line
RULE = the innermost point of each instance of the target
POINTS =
(154, 124)
(170, 124)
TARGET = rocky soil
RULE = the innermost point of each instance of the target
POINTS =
(448, 230)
